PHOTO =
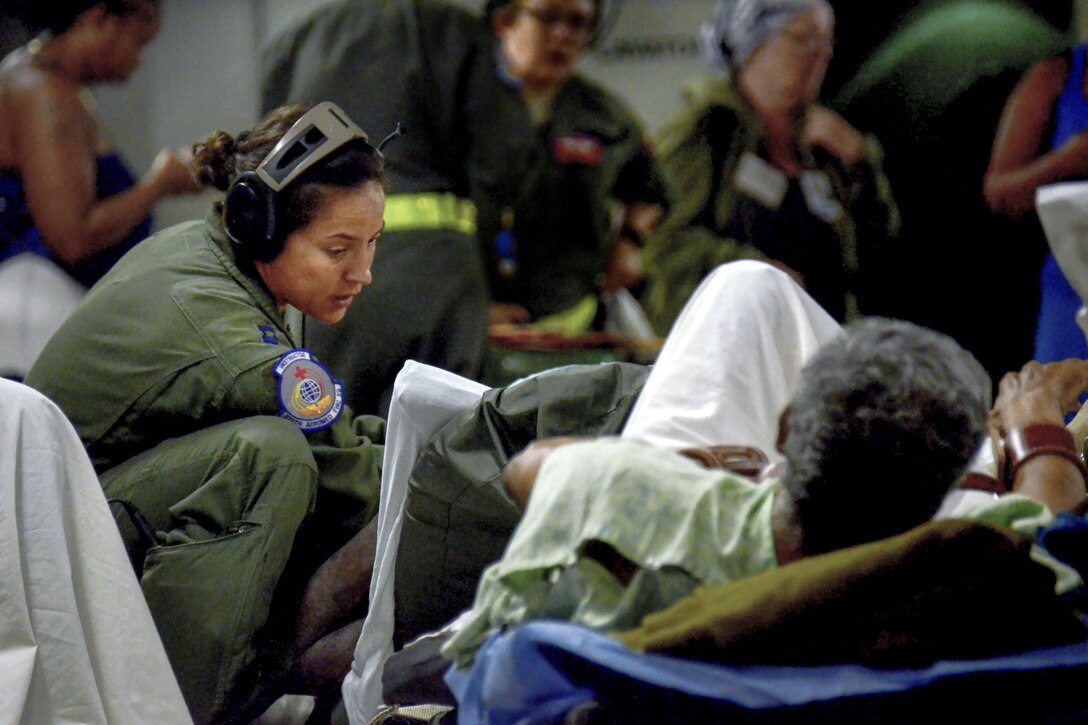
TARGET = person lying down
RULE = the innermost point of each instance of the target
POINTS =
(885, 420)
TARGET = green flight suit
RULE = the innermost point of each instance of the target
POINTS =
(428, 64)
(166, 371)
(589, 156)
(701, 149)
(457, 519)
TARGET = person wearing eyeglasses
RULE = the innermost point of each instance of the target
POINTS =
(593, 189)
(235, 467)
(762, 170)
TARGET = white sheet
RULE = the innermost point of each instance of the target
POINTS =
(1063, 210)
(36, 296)
(77, 643)
(424, 399)
(731, 362)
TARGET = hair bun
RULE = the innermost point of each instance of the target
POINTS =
(214, 161)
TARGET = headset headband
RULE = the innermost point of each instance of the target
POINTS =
(320, 131)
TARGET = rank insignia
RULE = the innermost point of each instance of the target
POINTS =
(268, 334)
(310, 398)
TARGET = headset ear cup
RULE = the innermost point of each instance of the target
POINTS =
(250, 217)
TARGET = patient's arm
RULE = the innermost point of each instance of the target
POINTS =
(1043, 394)
(520, 473)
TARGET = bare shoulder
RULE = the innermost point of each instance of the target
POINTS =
(1047, 77)
(37, 102)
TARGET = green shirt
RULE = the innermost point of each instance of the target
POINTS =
(702, 527)
(677, 525)
(426, 64)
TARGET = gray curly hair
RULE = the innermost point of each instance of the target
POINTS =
(738, 26)
(885, 420)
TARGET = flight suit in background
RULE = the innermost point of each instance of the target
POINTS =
(549, 249)
(429, 65)
(702, 150)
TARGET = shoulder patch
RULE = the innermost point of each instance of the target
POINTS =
(309, 396)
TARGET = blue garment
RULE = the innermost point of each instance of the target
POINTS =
(535, 673)
(1067, 541)
(1057, 335)
(18, 234)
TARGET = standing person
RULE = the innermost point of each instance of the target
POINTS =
(1040, 140)
(65, 194)
(190, 390)
(575, 223)
(428, 64)
(761, 170)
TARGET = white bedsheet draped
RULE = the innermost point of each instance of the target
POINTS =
(77, 643)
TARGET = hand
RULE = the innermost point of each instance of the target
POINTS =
(170, 174)
(506, 313)
(624, 266)
(519, 475)
(1039, 394)
(1076, 151)
(830, 131)
(1043, 394)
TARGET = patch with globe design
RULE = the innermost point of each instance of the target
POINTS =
(311, 399)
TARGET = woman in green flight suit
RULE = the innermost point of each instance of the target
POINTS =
(592, 189)
(186, 382)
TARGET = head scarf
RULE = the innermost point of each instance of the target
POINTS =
(738, 26)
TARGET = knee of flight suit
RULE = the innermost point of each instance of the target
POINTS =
(210, 580)
(263, 472)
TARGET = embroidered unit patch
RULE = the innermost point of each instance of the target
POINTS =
(310, 398)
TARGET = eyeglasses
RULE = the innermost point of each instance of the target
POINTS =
(810, 41)
(576, 23)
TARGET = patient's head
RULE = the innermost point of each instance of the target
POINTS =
(884, 421)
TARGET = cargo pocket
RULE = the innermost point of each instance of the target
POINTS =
(209, 598)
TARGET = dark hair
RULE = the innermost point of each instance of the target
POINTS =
(493, 6)
(58, 16)
(884, 421)
(220, 158)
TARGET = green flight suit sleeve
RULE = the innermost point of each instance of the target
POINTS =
(457, 520)
(349, 463)
(686, 247)
(642, 179)
(348, 455)
(873, 210)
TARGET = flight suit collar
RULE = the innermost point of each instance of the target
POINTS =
(244, 273)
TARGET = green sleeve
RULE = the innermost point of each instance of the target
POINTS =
(874, 214)
(688, 245)
(348, 453)
(349, 464)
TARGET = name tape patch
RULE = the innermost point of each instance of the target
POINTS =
(578, 148)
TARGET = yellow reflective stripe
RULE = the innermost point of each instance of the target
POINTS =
(429, 210)
(573, 321)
